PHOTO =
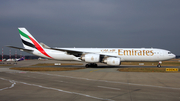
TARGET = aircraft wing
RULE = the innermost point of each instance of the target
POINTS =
(21, 49)
(79, 53)
(71, 52)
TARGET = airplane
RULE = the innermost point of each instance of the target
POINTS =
(20, 59)
(92, 56)
(10, 60)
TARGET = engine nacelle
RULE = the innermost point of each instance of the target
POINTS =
(113, 61)
(91, 58)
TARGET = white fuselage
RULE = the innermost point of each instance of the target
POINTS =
(125, 54)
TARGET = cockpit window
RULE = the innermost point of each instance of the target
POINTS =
(169, 53)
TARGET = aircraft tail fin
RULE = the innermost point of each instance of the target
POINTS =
(30, 43)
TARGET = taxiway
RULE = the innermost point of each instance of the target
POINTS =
(88, 84)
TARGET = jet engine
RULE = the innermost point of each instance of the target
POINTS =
(112, 61)
(91, 58)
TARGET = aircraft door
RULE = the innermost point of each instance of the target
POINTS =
(161, 55)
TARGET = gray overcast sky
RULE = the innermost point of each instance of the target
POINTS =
(93, 23)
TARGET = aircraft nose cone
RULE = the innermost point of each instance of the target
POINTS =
(174, 56)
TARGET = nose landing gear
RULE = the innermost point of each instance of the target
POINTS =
(159, 64)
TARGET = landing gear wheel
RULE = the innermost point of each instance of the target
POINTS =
(87, 65)
(158, 65)
(91, 65)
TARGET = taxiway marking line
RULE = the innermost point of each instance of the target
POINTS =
(107, 81)
(13, 83)
(56, 89)
(109, 87)
(93, 86)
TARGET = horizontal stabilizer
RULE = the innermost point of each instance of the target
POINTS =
(21, 49)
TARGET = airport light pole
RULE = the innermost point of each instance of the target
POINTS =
(10, 54)
(2, 53)
(15, 54)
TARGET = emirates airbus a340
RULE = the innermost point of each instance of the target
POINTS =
(109, 56)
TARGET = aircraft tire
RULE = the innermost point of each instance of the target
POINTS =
(87, 65)
(91, 65)
(158, 65)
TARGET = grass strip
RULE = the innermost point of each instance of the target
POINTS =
(52, 64)
(171, 63)
(44, 68)
(164, 63)
(143, 70)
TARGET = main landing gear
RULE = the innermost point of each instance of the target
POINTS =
(159, 64)
(91, 65)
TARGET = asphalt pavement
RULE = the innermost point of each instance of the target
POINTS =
(90, 84)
